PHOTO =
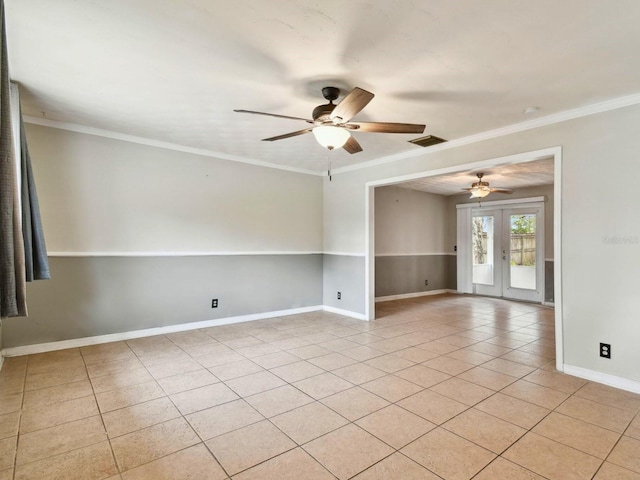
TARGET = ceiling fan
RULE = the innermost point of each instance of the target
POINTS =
(332, 124)
(481, 189)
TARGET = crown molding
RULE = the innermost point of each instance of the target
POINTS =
(73, 127)
(593, 109)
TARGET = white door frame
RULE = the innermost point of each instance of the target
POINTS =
(495, 288)
(555, 152)
(500, 270)
(518, 293)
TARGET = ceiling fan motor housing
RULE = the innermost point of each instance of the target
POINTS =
(322, 113)
(331, 93)
(480, 184)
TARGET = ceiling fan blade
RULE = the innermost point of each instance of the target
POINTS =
(352, 146)
(287, 135)
(350, 105)
(501, 190)
(387, 127)
(274, 115)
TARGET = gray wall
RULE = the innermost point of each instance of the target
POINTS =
(411, 242)
(549, 281)
(256, 234)
(396, 275)
(341, 274)
(89, 296)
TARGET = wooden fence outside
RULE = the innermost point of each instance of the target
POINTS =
(523, 249)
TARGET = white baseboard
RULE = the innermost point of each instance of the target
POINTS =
(599, 377)
(549, 304)
(148, 332)
(414, 295)
(346, 313)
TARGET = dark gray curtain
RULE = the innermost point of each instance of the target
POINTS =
(36, 262)
(15, 267)
(11, 281)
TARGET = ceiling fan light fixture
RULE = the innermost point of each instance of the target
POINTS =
(331, 137)
(331, 125)
(480, 191)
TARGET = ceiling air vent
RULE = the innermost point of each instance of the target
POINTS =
(427, 141)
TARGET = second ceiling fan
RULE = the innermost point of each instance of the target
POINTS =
(332, 125)
(481, 189)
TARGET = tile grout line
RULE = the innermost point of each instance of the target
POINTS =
(24, 388)
(104, 426)
(363, 362)
(622, 435)
(181, 415)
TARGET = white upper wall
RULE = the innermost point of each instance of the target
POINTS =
(410, 222)
(105, 195)
(600, 246)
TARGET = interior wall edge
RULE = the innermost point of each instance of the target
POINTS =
(415, 254)
(605, 378)
(342, 289)
(147, 332)
(178, 254)
(343, 312)
(402, 296)
(92, 296)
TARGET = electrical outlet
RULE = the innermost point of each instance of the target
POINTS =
(214, 303)
(426, 282)
(455, 248)
(339, 296)
(605, 350)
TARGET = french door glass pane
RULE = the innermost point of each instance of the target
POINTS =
(483, 262)
(522, 249)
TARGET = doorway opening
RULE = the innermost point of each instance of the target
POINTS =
(520, 249)
(507, 250)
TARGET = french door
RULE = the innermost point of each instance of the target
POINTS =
(508, 252)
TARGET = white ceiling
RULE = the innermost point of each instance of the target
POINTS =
(173, 70)
(514, 176)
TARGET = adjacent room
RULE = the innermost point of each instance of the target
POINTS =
(319, 240)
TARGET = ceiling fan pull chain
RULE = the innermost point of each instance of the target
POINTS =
(329, 168)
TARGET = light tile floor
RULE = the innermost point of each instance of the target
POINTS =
(447, 387)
